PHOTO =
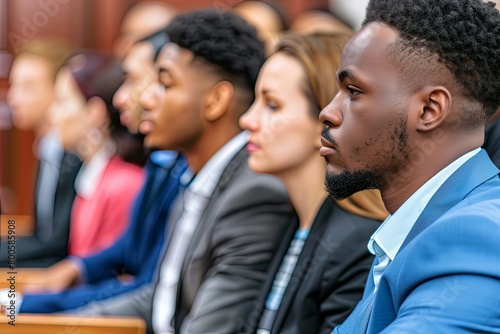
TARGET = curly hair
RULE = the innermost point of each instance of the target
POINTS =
(224, 41)
(463, 35)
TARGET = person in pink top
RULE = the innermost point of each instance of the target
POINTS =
(88, 125)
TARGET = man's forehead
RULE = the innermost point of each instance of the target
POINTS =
(370, 43)
(175, 58)
(171, 52)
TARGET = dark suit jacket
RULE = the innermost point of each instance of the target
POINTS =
(227, 259)
(492, 142)
(329, 277)
(33, 251)
(446, 276)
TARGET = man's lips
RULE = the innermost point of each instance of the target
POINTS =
(327, 148)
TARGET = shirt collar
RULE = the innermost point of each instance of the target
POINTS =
(389, 237)
(49, 148)
(90, 174)
(207, 178)
(164, 159)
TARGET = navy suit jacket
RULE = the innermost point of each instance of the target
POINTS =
(135, 253)
(446, 276)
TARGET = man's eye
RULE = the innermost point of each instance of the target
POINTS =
(353, 92)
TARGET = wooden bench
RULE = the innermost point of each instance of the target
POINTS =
(63, 324)
(66, 324)
(21, 276)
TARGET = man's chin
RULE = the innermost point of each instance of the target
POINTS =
(345, 184)
(149, 142)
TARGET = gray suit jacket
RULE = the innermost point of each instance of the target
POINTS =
(226, 262)
(227, 259)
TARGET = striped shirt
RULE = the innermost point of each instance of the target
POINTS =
(281, 281)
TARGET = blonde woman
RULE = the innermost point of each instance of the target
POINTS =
(319, 273)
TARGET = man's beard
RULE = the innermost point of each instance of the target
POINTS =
(345, 184)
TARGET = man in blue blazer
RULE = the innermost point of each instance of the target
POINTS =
(417, 84)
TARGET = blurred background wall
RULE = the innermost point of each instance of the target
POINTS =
(86, 24)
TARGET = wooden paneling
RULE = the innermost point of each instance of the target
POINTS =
(86, 24)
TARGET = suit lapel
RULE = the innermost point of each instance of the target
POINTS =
(303, 264)
(234, 166)
(65, 191)
(469, 176)
(271, 273)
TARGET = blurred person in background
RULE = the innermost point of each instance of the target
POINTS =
(224, 229)
(30, 94)
(350, 11)
(318, 20)
(267, 17)
(319, 273)
(80, 280)
(140, 20)
(89, 126)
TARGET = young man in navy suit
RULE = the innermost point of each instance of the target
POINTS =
(417, 84)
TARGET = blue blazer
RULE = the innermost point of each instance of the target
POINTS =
(446, 277)
(135, 253)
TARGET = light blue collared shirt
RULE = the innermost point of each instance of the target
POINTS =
(389, 237)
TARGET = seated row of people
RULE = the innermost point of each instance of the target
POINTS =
(232, 221)
(252, 242)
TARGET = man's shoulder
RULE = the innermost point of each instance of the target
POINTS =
(463, 240)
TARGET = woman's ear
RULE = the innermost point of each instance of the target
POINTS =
(97, 112)
(219, 101)
(435, 105)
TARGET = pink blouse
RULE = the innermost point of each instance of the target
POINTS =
(101, 215)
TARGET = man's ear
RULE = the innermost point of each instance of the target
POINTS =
(435, 106)
(97, 112)
(219, 101)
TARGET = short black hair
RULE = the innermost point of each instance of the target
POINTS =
(223, 40)
(463, 34)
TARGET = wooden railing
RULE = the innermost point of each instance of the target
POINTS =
(58, 324)
(64, 324)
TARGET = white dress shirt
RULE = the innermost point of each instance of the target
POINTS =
(195, 198)
(389, 237)
(90, 174)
